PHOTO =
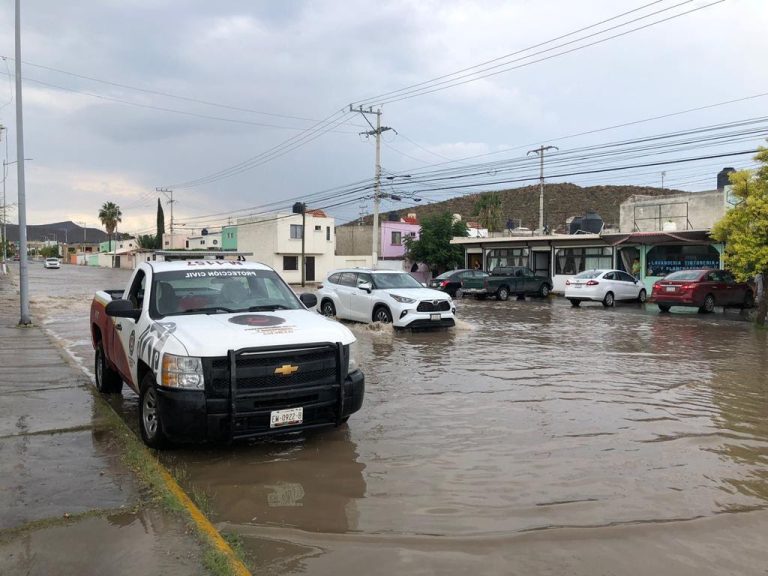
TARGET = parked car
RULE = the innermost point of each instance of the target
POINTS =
(606, 286)
(222, 349)
(451, 281)
(507, 280)
(702, 289)
(384, 296)
(52, 263)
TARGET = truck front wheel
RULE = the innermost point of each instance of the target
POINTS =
(107, 380)
(150, 419)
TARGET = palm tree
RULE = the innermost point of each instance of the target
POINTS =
(488, 211)
(110, 215)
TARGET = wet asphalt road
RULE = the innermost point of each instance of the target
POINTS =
(534, 438)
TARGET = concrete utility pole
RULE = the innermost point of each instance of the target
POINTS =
(377, 189)
(5, 212)
(540, 151)
(168, 194)
(25, 318)
(301, 208)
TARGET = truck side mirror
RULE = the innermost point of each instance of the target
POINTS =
(309, 300)
(122, 309)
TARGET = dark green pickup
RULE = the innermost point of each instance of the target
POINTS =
(503, 281)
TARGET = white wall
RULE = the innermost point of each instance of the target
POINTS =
(269, 238)
(695, 211)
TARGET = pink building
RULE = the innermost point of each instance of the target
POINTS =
(393, 235)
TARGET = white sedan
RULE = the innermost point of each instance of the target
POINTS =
(52, 263)
(606, 286)
(384, 296)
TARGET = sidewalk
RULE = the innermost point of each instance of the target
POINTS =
(68, 505)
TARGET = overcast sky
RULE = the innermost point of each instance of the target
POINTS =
(300, 62)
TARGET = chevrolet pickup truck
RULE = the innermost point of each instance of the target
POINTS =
(507, 280)
(220, 349)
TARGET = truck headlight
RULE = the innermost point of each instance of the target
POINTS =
(182, 372)
(354, 357)
(402, 299)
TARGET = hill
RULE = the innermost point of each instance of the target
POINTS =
(561, 201)
(59, 231)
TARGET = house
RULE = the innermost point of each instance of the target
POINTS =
(276, 240)
(203, 241)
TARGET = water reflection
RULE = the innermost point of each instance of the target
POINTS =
(310, 481)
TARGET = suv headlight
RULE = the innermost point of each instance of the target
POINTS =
(402, 299)
(354, 357)
(182, 372)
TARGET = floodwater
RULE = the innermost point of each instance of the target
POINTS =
(534, 439)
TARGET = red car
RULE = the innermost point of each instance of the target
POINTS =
(703, 289)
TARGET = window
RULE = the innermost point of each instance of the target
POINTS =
(328, 233)
(662, 260)
(318, 228)
(334, 278)
(348, 279)
(363, 279)
(397, 238)
(187, 243)
(296, 231)
(571, 261)
(624, 277)
(506, 257)
(290, 262)
(202, 242)
(136, 293)
(609, 276)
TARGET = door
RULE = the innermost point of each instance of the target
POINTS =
(475, 261)
(309, 268)
(630, 286)
(344, 289)
(714, 285)
(125, 353)
(611, 284)
(732, 292)
(541, 264)
(362, 300)
(530, 283)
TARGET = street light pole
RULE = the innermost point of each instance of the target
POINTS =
(25, 318)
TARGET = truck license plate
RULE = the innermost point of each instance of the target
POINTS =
(434, 316)
(290, 417)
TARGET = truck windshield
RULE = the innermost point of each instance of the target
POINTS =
(218, 291)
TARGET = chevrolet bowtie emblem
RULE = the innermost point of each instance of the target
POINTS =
(286, 370)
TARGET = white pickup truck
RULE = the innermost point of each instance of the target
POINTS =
(220, 349)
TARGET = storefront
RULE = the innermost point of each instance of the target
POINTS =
(661, 253)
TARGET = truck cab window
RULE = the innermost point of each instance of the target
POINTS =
(136, 293)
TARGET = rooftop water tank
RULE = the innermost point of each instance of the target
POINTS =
(592, 223)
(722, 178)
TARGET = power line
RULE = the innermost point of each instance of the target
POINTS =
(475, 76)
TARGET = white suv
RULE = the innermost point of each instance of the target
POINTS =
(384, 296)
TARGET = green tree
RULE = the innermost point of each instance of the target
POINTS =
(160, 226)
(434, 246)
(744, 228)
(146, 241)
(110, 216)
(488, 211)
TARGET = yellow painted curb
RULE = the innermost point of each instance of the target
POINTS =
(204, 524)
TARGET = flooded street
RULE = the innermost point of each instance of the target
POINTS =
(535, 438)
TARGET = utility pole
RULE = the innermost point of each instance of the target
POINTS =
(540, 151)
(25, 318)
(662, 179)
(168, 194)
(5, 213)
(377, 186)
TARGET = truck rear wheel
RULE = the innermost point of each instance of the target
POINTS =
(150, 418)
(107, 380)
